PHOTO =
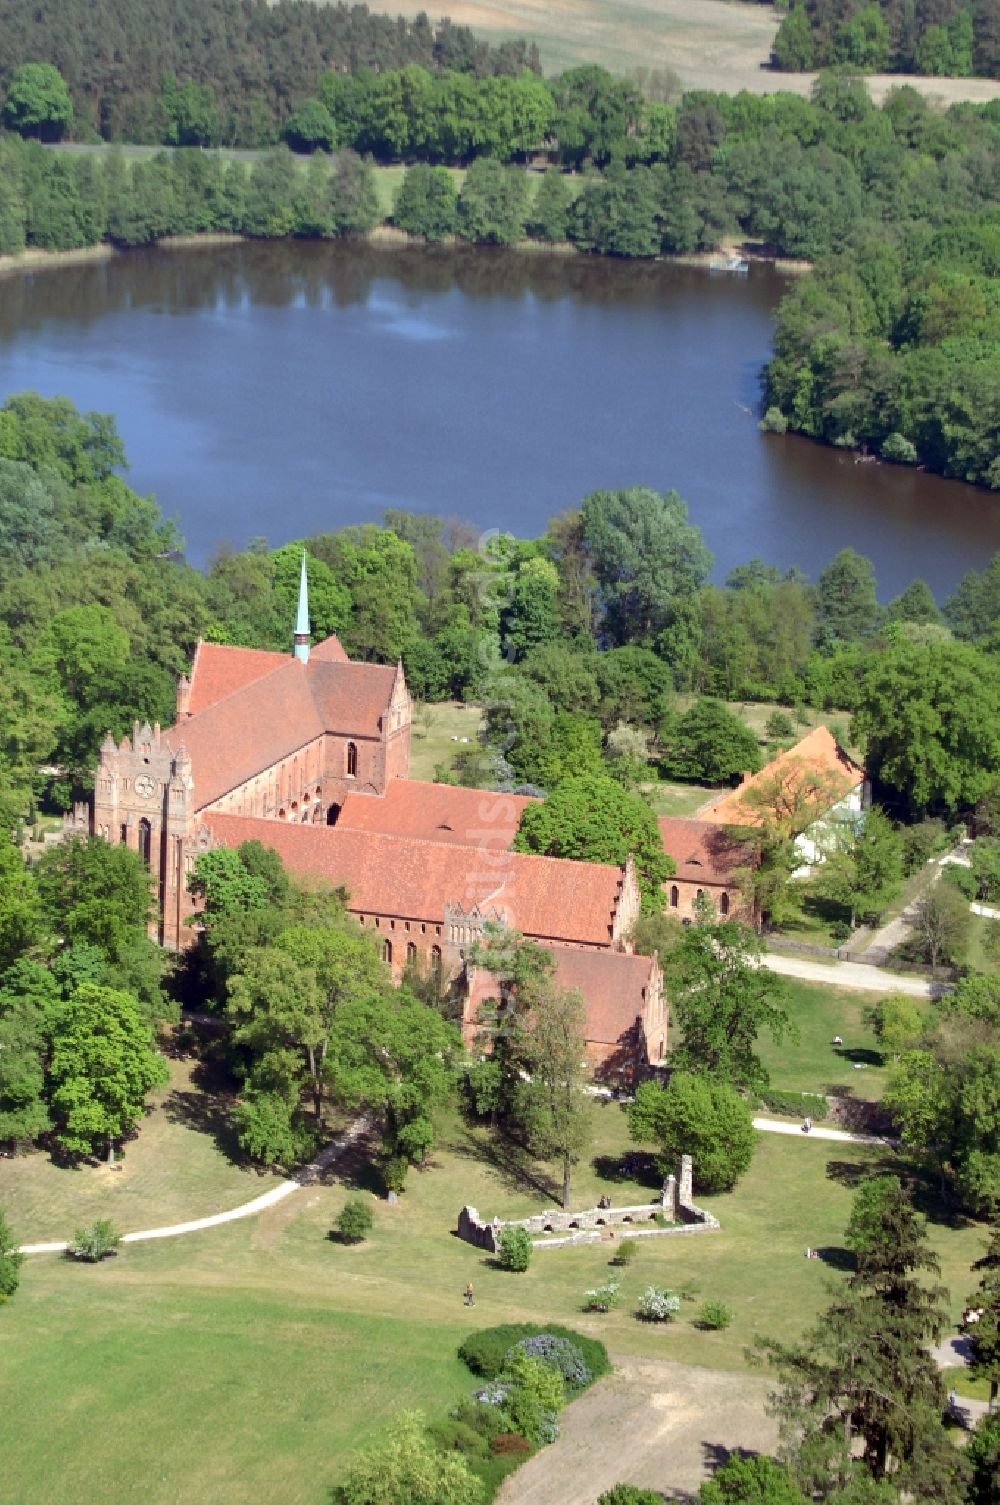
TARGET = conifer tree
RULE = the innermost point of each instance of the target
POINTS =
(984, 1331)
(861, 1401)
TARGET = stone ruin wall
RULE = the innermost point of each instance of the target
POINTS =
(675, 1204)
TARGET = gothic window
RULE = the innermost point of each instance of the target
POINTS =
(724, 904)
(411, 953)
(352, 760)
(145, 840)
(436, 959)
(674, 896)
(387, 951)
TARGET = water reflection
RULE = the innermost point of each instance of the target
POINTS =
(279, 388)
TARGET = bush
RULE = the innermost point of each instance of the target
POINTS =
(485, 1352)
(511, 1444)
(407, 1467)
(454, 1436)
(515, 1249)
(795, 1104)
(355, 1221)
(627, 1251)
(630, 1494)
(773, 422)
(560, 1354)
(900, 450)
(602, 1298)
(715, 1315)
(96, 1242)
(10, 1262)
(658, 1305)
(394, 1173)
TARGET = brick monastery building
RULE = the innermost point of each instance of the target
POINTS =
(309, 754)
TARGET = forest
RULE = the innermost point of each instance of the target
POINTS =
(942, 38)
(242, 64)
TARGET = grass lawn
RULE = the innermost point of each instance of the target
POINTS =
(177, 1168)
(677, 799)
(812, 1063)
(434, 726)
(248, 1361)
(978, 956)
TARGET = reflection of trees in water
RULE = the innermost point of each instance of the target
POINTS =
(279, 274)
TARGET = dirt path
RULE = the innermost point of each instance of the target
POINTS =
(852, 975)
(307, 1176)
(652, 1423)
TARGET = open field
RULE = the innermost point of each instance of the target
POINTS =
(811, 1063)
(707, 43)
(433, 728)
(178, 1167)
(248, 1361)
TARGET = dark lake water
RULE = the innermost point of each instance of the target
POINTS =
(285, 389)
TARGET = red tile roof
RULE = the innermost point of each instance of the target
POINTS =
(250, 709)
(818, 755)
(219, 670)
(545, 897)
(350, 698)
(330, 650)
(701, 850)
(237, 737)
(613, 987)
(437, 812)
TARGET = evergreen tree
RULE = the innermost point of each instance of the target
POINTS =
(861, 1401)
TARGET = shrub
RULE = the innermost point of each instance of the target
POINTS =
(658, 1305)
(602, 1298)
(630, 1494)
(526, 1372)
(406, 1467)
(715, 1315)
(394, 1172)
(95, 1242)
(355, 1221)
(773, 422)
(454, 1436)
(484, 1420)
(515, 1249)
(627, 1251)
(750, 1481)
(901, 450)
(10, 1262)
(485, 1352)
(561, 1355)
(795, 1104)
(510, 1443)
(778, 726)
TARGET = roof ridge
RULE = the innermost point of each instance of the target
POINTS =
(282, 660)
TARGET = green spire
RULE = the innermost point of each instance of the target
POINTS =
(301, 649)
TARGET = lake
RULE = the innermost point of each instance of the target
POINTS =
(283, 389)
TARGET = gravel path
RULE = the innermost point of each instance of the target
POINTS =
(856, 975)
(304, 1177)
(775, 1126)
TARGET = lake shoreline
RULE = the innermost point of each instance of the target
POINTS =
(385, 237)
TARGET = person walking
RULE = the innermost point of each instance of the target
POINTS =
(470, 1298)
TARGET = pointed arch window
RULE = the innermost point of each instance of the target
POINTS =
(724, 904)
(387, 951)
(352, 760)
(145, 840)
(674, 896)
(411, 953)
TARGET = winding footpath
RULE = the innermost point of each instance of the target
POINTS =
(304, 1177)
(859, 975)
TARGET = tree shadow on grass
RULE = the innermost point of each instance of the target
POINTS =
(838, 1258)
(356, 1166)
(517, 1170)
(859, 1055)
(922, 1185)
(206, 1106)
(640, 1169)
(715, 1455)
